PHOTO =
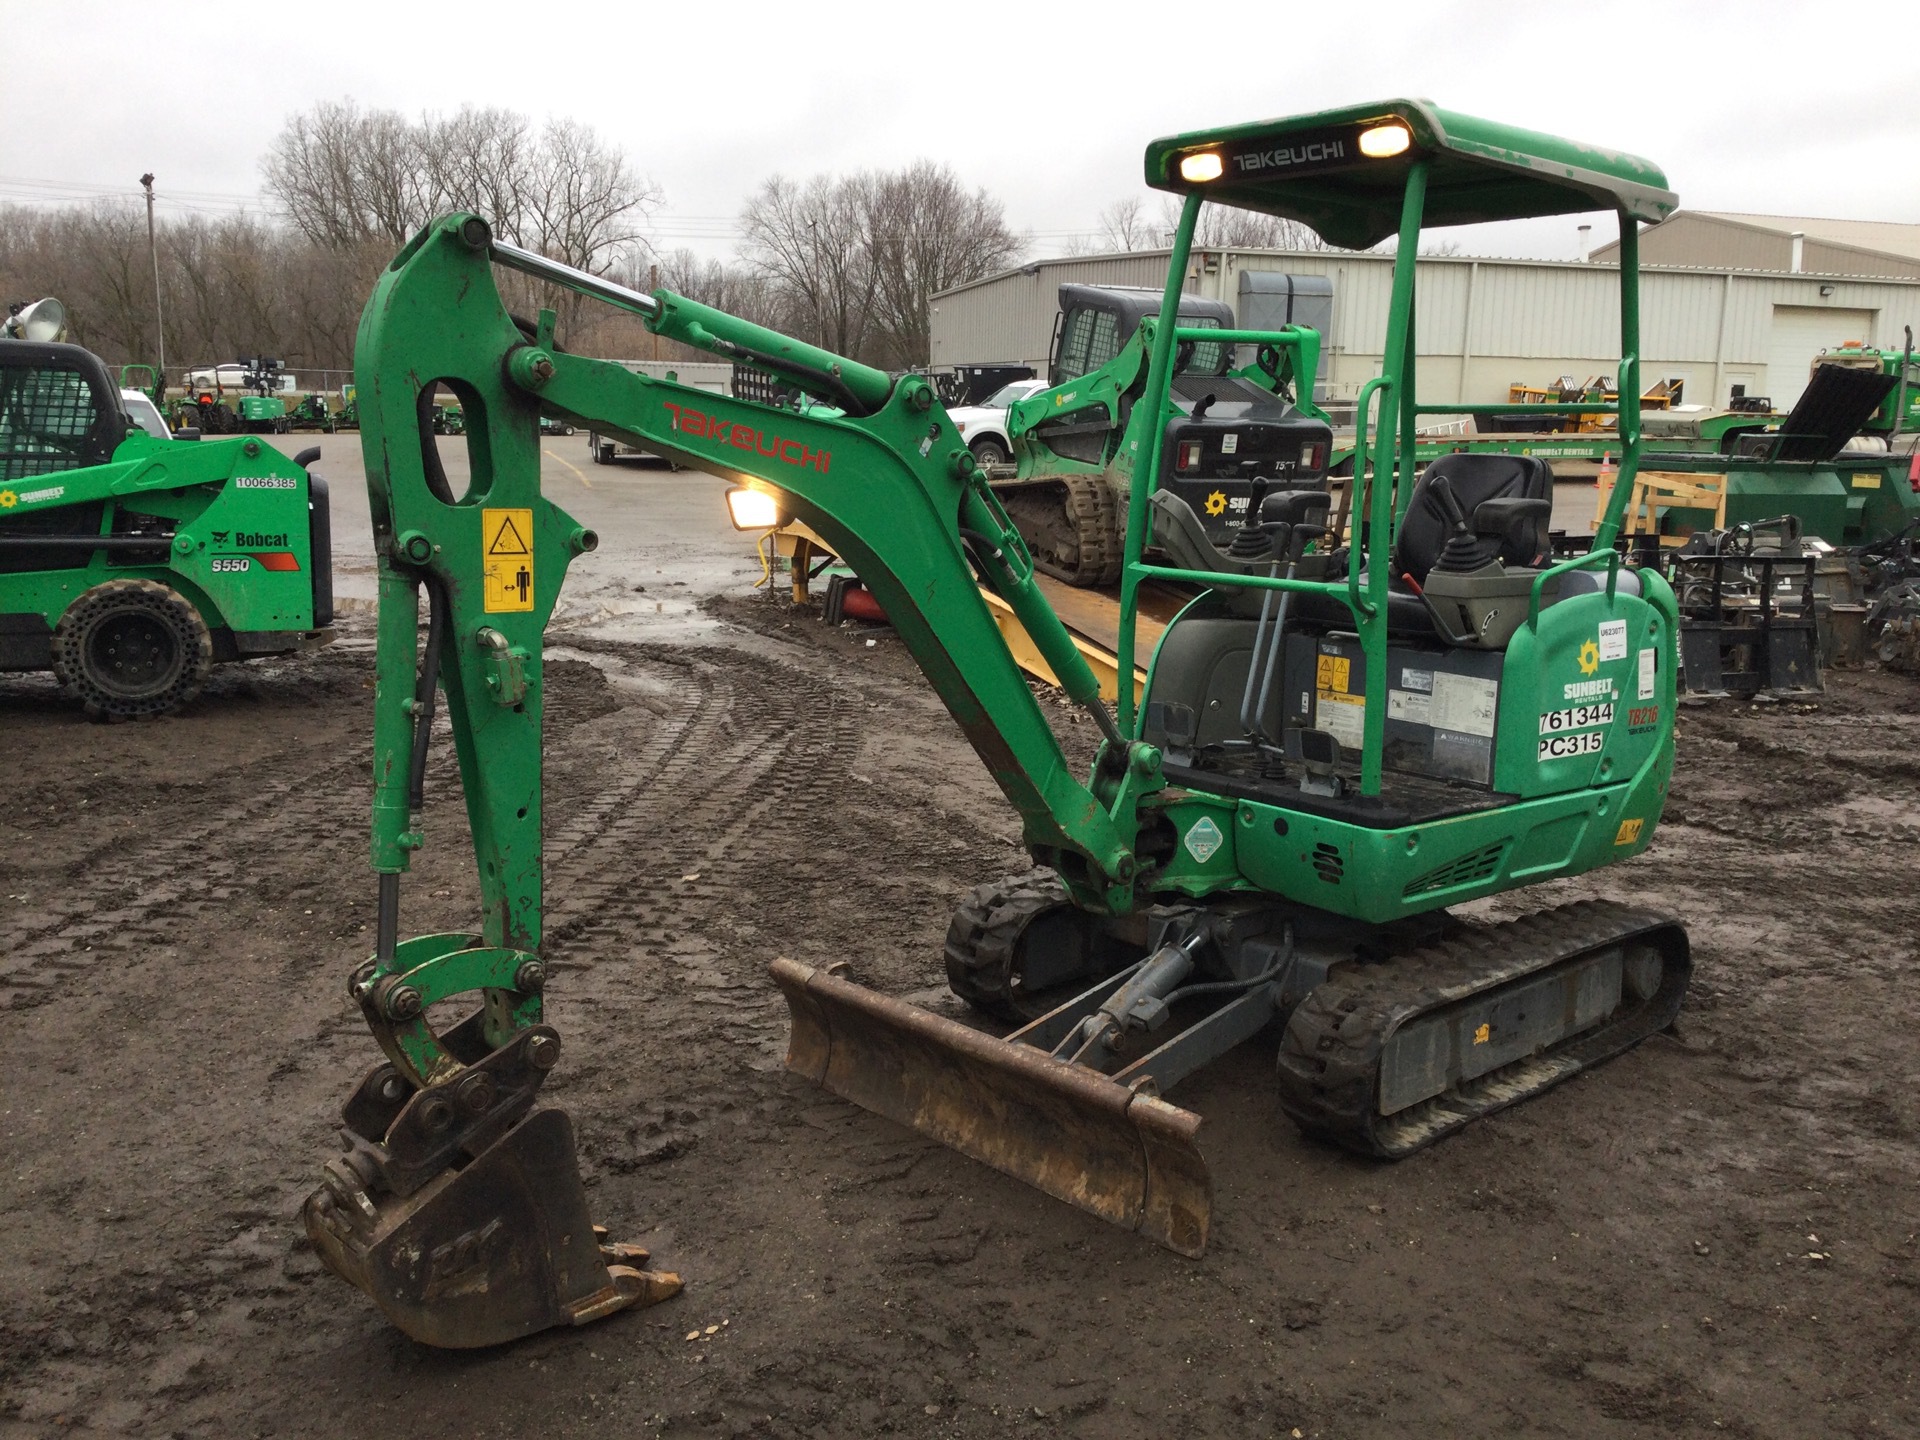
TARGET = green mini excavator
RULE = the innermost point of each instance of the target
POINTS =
(1350, 729)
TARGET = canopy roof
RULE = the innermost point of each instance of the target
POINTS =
(1311, 168)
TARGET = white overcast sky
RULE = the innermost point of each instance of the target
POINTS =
(1780, 108)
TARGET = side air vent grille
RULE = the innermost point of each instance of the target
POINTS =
(1467, 870)
(1328, 863)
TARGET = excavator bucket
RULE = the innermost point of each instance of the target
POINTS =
(1126, 1156)
(487, 1253)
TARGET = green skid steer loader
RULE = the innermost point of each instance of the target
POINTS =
(1079, 443)
(131, 563)
(1342, 736)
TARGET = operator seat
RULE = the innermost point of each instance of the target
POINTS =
(1475, 479)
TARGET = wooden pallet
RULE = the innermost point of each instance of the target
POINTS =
(1655, 490)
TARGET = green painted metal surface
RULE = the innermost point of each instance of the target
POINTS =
(1311, 168)
(229, 504)
(1109, 396)
(888, 483)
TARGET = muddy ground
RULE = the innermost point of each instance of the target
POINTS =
(1715, 1234)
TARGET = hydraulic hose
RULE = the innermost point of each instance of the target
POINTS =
(438, 605)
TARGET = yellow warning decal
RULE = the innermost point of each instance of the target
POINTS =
(1483, 1035)
(1629, 832)
(1332, 672)
(506, 555)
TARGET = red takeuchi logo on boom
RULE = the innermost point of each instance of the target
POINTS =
(745, 437)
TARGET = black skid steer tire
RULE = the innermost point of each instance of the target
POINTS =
(130, 648)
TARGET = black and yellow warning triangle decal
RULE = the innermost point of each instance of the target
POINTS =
(507, 539)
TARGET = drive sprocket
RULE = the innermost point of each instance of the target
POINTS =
(1017, 947)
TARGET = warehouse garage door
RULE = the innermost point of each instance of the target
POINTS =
(1801, 332)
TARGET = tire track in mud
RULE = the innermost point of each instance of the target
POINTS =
(168, 880)
(653, 882)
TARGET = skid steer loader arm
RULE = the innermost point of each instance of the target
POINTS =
(457, 1205)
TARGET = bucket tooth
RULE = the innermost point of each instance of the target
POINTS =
(488, 1253)
(1128, 1157)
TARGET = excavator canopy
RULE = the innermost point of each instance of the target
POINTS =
(1343, 172)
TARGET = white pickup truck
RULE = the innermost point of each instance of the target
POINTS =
(984, 426)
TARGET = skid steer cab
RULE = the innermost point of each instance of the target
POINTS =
(1359, 721)
(131, 564)
(1079, 443)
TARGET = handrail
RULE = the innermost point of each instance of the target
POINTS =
(1333, 589)
(1579, 562)
(1237, 337)
(1361, 459)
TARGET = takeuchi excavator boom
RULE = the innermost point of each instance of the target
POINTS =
(888, 482)
(1337, 742)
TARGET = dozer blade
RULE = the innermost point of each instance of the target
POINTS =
(1129, 1158)
(487, 1253)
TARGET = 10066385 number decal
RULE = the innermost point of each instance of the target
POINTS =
(1580, 717)
(231, 564)
(1561, 747)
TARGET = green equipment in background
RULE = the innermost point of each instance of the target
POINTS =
(1337, 743)
(148, 381)
(347, 417)
(1078, 444)
(312, 413)
(131, 564)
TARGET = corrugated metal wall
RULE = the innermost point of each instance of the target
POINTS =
(1480, 325)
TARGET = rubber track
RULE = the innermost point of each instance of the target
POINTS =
(1088, 506)
(1330, 1054)
(981, 937)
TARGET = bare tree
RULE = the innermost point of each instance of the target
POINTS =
(851, 262)
(809, 242)
(345, 176)
(1125, 225)
(732, 288)
(584, 203)
(482, 160)
(927, 234)
(1226, 227)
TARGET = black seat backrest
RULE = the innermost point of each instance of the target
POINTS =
(1475, 478)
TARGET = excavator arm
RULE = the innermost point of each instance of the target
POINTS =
(456, 1204)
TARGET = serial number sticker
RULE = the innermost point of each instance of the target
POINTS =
(1613, 640)
(231, 564)
(1581, 717)
(265, 482)
(1562, 747)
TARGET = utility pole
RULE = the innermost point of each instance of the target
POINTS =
(153, 249)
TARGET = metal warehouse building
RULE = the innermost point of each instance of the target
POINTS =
(1484, 324)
